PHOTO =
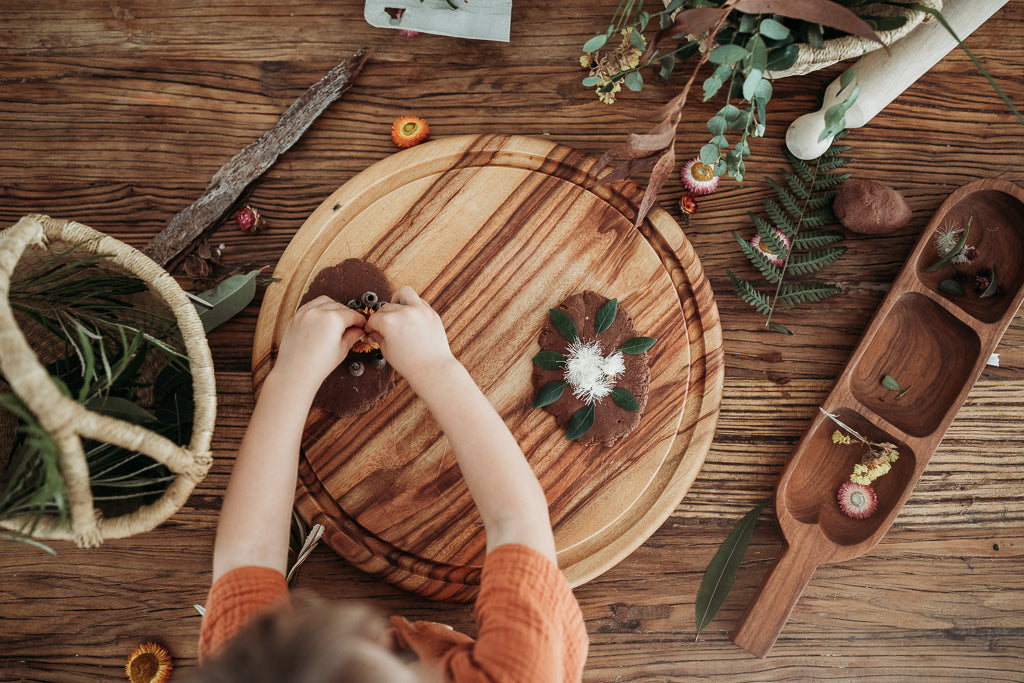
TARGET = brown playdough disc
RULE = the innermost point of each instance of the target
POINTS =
(342, 393)
(611, 422)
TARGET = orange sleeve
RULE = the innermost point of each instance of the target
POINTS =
(530, 627)
(234, 599)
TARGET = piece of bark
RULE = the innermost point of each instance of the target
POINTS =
(233, 177)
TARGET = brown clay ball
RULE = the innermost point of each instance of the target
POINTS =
(869, 207)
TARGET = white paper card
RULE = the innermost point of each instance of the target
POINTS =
(475, 19)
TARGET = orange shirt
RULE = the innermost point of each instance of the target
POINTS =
(530, 628)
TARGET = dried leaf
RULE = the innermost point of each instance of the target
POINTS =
(993, 284)
(227, 299)
(659, 175)
(721, 572)
(691, 22)
(890, 383)
(639, 145)
(627, 169)
(823, 12)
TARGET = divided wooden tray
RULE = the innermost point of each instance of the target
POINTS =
(493, 231)
(937, 342)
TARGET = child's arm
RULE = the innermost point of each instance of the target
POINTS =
(504, 488)
(256, 516)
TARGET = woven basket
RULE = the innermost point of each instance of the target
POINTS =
(69, 422)
(850, 47)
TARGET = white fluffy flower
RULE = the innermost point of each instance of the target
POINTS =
(589, 372)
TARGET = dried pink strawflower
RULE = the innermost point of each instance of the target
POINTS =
(857, 500)
(698, 177)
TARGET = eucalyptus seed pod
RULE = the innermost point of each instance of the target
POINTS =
(355, 368)
(378, 360)
(377, 306)
(370, 298)
(353, 303)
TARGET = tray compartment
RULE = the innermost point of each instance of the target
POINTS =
(923, 346)
(997, 232)
(825, 465)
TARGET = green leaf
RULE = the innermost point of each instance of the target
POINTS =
(727, 54)
(712, 84)
(773, 30)
(637, 345)
(591, 81)
(227, 299)
(710, 154)
(564, 324)
(605, 316)
(952, 287)
(721, 572)
(953, 253)
(890, 383)
(717, 125)
(120, 408)
(993, 284)
(775, 327)
(549, 393)
(634, 80)
(580, 422)
(595, 43)
(625, 399)
(549, 360)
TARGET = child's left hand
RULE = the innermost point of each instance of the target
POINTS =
(316, 340)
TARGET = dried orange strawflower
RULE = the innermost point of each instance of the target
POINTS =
(148, 663)
(409, 130)
(365, 345)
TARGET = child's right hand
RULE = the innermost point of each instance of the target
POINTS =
(411, 337)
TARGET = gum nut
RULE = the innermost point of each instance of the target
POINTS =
(355, 368)
(377, 306)
(378, 360)
(869, 207)
(352, 303)
(370, 298)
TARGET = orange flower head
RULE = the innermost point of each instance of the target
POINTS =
(409, 130)
(365, 345)
(148, 663)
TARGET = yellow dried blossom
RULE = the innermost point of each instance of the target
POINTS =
(876, 464)
(622, 57)
(839, 437)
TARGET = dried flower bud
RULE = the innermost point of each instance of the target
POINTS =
(688, 204)
(249, 219)
(197, 268)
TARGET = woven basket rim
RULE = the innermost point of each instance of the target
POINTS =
(68, 421)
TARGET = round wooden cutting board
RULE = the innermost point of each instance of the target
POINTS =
(493, 231)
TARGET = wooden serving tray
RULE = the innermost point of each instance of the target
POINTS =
(939, 343)
(493, 231)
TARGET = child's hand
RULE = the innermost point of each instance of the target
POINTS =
(411, 337)
(316, 340)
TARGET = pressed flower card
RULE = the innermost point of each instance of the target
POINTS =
(474, 19)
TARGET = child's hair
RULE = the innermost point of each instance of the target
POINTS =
(314, 642)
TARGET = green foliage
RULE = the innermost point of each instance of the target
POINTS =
(802, 204)
(109, 344)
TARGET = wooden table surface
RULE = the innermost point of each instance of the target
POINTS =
(116, 114)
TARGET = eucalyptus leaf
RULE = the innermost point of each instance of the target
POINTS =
(564, 324)
(634, 80)
(605, 316)
(227, 299)
(625, 399)
(890, 383)
(549, 393)
(774, 30)
(549, 360)
(591, 81)
(993, 284)
(721, 572)
(580, 423)
(953, 253)
(595, 43)
(637, 345)
(952, 287)
(727, 54)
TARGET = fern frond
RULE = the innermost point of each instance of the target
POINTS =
(760, 261)
(749, 293)
(779, 216)
(832, 164)
(797, 186)
(786, 198)
(816, 239)
(804, 169)
(813, 261)
(823, 200)
(803, 292)
(771, 239)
